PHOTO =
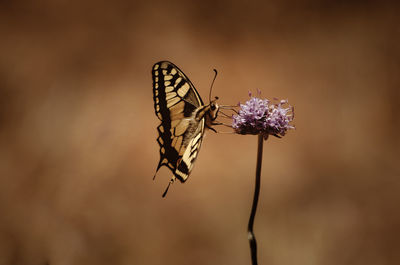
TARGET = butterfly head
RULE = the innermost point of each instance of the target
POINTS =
(214, 108)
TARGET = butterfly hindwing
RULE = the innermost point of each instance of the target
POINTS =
(180, 134)
(189, 155)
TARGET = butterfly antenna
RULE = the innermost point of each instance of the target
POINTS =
(212, 83)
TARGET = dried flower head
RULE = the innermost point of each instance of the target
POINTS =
(259, 116)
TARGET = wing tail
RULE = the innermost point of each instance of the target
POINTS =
(169, 184)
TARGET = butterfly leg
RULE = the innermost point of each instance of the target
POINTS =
(216, 123)
(221, 123)
(211, 128)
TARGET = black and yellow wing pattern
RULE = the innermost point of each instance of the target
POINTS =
(177, 104)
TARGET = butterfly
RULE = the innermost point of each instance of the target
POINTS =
(184, 118)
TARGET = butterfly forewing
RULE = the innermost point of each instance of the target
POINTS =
(180, 135)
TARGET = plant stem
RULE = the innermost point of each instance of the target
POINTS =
(250, 234)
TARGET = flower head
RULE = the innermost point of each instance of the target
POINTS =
(259, 116)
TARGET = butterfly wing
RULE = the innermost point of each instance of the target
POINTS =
(180, 135)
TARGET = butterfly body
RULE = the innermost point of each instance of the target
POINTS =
(183, 116)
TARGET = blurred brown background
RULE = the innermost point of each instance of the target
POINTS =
(78, 133)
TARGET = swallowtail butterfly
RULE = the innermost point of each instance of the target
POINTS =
(183, 117)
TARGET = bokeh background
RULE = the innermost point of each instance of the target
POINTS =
(78, 133)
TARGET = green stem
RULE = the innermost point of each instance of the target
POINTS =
(250, 233)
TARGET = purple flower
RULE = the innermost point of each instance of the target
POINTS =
(259, 116)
